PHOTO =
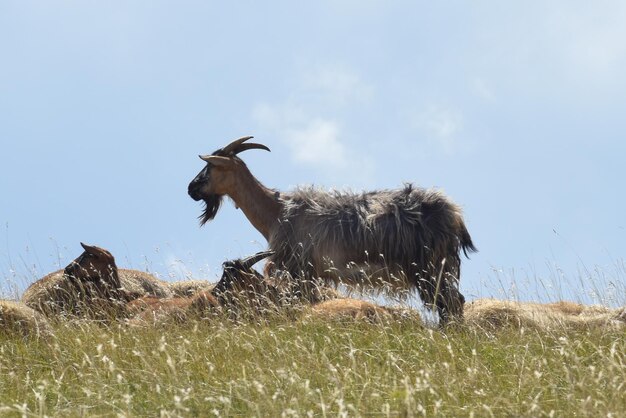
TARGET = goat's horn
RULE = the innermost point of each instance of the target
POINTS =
(253, 259)
(230, 148)
(251, 145)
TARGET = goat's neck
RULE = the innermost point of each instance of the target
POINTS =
(111, 278)
(115, 278)
(260, 204)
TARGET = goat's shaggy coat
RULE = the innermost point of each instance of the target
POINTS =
(188, 288)
(348, 308)
(18, 319)
(493, 314)
(391, 240)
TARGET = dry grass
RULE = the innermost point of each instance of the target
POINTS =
(312, 367)
(341, 358)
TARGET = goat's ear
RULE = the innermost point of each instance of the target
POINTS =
(90, 249)
(217, 160)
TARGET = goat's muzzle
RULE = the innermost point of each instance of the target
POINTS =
(194, 191)
(70, 270)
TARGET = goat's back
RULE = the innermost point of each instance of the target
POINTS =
(405, 229)
(50, 294)
(496, 314)
(188, 288)
(349, 308)
(18, 319)
(138, 283)
(55, 294)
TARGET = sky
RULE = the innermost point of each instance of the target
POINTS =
(514, 109)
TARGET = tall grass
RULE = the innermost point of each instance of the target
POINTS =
(312, 367)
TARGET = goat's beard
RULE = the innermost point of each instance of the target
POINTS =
(212, 204)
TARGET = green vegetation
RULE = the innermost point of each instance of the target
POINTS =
(312, 367)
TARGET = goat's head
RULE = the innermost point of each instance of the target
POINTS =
(93, 265)
(218, 176)
(238, 275)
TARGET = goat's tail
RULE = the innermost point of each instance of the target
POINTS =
(466, 241)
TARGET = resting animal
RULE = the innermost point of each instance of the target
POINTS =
(240, 290)
(92, 286)
(494, 314)
(18, 319)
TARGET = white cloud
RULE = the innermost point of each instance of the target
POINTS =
(314, 139)
(440, 125)
(336, 85)
(482, 89)
(318, 142)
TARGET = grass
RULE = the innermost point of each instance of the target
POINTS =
(317, 367)
(312, 367)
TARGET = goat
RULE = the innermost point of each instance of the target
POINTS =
(492, 314)
(349, 308)
(179, 309)
(92, 286)
(241, 285)
(188, 288)
(240, 290)
(403, 239)
(18, 319)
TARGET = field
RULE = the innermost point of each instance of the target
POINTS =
(313, 367)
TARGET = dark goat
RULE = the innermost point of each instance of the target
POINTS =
(241, 284)
(394, 240)
(92, 286)
(240, 290)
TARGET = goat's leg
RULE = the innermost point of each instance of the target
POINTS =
(307, 289)
(438, 290)
(449, 301)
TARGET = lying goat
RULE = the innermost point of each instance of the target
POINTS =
(188, 288)
(492, 314)
(92, 286)
(240, 291)
(355, 309)
(18, 319)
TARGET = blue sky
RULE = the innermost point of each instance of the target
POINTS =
(515, 109)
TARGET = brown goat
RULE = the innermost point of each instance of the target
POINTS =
(492, 314)
(355, 309)
(92, 286)
(149, 309)
(240, 291)
(188, 288)
(18, 319)
(389, 240)
(348, 308)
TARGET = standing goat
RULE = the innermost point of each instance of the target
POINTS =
(391, 239)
